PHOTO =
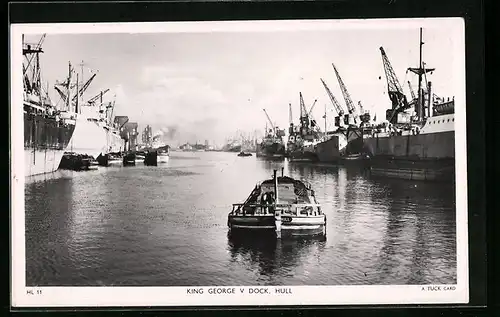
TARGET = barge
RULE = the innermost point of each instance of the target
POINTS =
(283, 205)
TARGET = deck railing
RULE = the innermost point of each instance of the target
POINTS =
(269, 208)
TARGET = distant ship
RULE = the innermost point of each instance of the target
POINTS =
(234, 146)
(303, 139)
(272, 145)
(418, 139)
(46, 133)
(95, 134)
(161, 148)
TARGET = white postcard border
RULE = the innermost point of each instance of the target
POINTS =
(178, 296)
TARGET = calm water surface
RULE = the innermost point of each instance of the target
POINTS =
(167, 225)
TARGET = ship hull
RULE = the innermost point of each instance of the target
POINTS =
(439, 145)
(329, 151)
(272, 151)
(92, 139)
(413, 169)
(45, 141)
(429, 156)
(303, 156)
(38, 162)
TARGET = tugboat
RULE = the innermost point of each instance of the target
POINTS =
(283, 205)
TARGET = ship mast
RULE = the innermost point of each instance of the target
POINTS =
(68, 99)
(420, 71)
(324, 117)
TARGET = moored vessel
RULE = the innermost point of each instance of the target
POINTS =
(418, 139)
(345, 142)
(95, 134)
(162, 150)
(282, 205)
(244, 154)
(46, 133)
(272, 145)
(163, 154)
(303, 139)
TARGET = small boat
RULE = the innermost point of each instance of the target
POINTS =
(140, 156)
(160, 155)
(163, 156)
(115, 159)
(77, 162)
(294, 211)
(129, 159)
(93, 165)
(244, 154)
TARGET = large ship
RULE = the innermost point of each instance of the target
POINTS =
(418, 139)
(272, 145)
(46, 133)
(303, 138)
(95, 134)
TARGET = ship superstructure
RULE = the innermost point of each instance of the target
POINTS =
(95, 135)
(272, 144)
(304, 137)
(46, 132)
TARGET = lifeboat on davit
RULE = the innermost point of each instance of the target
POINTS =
(282, 205)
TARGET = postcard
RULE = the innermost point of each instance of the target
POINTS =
(239, 163)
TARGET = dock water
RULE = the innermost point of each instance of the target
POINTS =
(166, 225)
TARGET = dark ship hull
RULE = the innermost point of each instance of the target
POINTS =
(271, 151)
(303, 155)
(45, 141)
(418, 157)
(330, 150)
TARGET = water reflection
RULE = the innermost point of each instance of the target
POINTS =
(53, 198)
(273, 260)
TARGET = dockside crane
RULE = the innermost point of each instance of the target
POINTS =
(396, 95)
(85, 86)
(314, 123)
(98, 96)
(411, 91)
(347, 97)
(336, 105)
(272, 125)
(304, 118)
(309, 113)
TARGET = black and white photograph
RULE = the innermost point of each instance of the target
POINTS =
(311, 162)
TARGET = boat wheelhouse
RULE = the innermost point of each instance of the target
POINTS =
(282, 204)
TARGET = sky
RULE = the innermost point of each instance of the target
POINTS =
(207, 85)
